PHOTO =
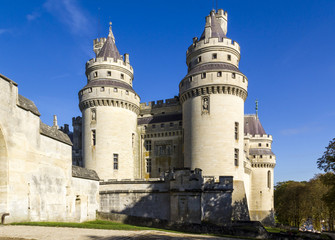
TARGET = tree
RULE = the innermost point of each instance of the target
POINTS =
(327, 161)
(327, 164)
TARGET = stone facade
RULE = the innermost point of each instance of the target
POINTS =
(203, 127)
(193, 158)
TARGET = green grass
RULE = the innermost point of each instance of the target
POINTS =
(98, 224)
(274, 230)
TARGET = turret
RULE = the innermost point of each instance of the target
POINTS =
(110, 107)
(212, 95)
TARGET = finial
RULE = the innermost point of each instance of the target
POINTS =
(110, 26)
(55, 124)
(256, 108)
(110, 31)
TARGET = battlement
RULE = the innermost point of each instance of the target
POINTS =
(119, 62)
(160, 103)
(259, 136)
(212, 42)
(76, 121)
(97, 44)
(222, 13)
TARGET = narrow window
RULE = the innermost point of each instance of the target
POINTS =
(229, 57)
(254, 156)
(122, 76)
(115, 90)
(259, 144)
(214, 56)
(191, 79)
(270, 156)
(269, 179)
(267, 145)
(94, 139)
(147, 145)
(199, 59)
(219, 74)
(236, 130)
(127, 92)
(95, 74)
(159, 170)
(133, 139)
(116, 161)
(261, 156)
(94, 114)
(148, 165)
(102, 89)
(236, 156)
(203, 75)
(109, 73)
(233, 75)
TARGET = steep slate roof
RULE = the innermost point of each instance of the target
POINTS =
(85, 173)
(160, 119)
(252, 125)
(213, 67)
(54, 133)
(217, 31)
(109, 48)
(260, 151)
(28, 105)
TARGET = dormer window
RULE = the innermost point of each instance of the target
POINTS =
(199, 59)
(122, 76)
(214, 56)
(229, 57)
(109, 73)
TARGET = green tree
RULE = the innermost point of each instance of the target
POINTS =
(327, 161)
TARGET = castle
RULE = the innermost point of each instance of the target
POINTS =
(166, 159)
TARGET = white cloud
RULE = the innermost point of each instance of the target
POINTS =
(69, 13)
(3, 30)
(33, 16)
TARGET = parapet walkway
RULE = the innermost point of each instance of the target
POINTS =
(59, 233)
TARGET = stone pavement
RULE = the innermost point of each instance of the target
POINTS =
(8, 232)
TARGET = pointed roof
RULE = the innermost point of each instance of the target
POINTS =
(217, 31)
(252, 125)
(109, 48)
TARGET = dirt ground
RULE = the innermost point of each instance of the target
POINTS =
(8, 232)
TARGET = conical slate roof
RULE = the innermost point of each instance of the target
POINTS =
(252, 125)
(109, 48)
(217, 31)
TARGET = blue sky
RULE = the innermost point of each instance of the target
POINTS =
(287, 50)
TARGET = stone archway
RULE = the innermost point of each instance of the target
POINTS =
(3, 173)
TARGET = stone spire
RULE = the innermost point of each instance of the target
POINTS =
(109, 48)
(216, 25)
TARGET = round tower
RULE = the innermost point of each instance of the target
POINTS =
(110, 108)
(212, 96)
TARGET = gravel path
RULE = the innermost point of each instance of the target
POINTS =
(8, 232)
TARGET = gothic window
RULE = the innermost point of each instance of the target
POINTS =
(236, 130)
(147, 145)
(116, 161)
(229, 57)
(94, 137)
(148, 165)
(109, 73)
(203, 75)
(214, 56)
(233, 75)
(205, 105)
(219, 74)
(236, 156)
(269, 179)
